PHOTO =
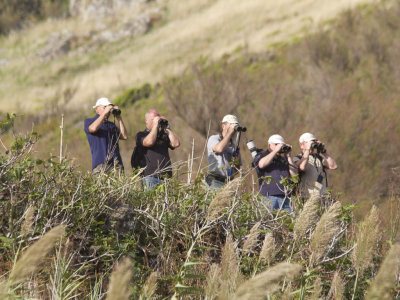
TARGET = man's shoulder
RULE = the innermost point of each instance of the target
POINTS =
(214, 138)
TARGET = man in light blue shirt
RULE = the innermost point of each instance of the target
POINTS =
(223, 158)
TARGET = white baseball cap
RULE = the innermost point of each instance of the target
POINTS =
(276, 139)
(307, 137)
(102, 102)
(231, 119)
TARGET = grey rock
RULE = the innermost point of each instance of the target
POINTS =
(57, 44)
(122, 218)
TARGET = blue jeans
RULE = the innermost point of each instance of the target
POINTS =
(150, 183)
(277, 202)
(214, 184)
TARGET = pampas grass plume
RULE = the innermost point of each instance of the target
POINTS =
(307, 217)
(32, 258)
(213, 281)
(251, 240)
(26, 226)
(317, 289)
(337, 287)
(267, 282)
(367, 236)
(120, 281)
(222, 199)
(150, 286)
(268, 249)
(382, 286)
(325, 231)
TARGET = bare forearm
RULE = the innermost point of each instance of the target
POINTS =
(174, 140)
(96, 124)
(220, 147)
(150, 139)
(266, 160)
(292, 167)
(122, 128)
(330, 162)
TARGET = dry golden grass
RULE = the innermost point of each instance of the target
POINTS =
(267, 282)
(382, 286)
(26, 226)
(213, 281)
(268, 249)
(119, 288)
(32, 258)
(367, 236)
(230, 274)
(307, 217)
(223, 199)
(326, 229)
(251, 239)
(317, 289)
(150, 286)
(192, 29)
(337, 287)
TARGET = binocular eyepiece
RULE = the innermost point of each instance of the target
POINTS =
(319, 147)
(163, 123)
(285, 149)
(115, 111)
(239, 128)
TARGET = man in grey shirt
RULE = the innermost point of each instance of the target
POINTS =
(223, 162)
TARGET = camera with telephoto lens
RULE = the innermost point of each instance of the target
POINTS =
(252, 148)
(115, 111)
(239, 128)
(319, 147)
(163, 123)
(285, 149)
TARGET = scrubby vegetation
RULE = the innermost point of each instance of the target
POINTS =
(14, 14)
(63, 231)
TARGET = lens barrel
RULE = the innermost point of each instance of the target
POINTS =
(115, 111)
(239, 128)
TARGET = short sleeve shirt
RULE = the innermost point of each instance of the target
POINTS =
(278, 169)
(158, 162)
(313, 178)
(219, 164)
(103, 143)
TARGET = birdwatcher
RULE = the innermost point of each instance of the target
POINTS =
(273, 166)
(152, 146)
(313, 162)
(224, 158)
(103, 136)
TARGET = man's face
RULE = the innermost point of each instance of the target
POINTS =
(306, 145)
(100, 109)
(272, 147)
(150, 118)
(225, 127)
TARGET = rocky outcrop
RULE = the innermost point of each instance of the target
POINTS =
(57, 44)
(98, 8)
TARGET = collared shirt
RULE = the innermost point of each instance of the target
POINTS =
(313, 178)
(219, 164)
(103, 143)
(278, 169)
(158, 162)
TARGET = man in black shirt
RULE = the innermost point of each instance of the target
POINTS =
(152, 145)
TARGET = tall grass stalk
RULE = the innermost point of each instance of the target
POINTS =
(119, 288)
(366, 239)
(325, 231)
(382, 286)
(150, 286)
(267, 282)
(229, 268)
(268, 248)
(222, 199)
(32, 258)
(307, 217)
(251, 240)
(213, 282)
(337, 287)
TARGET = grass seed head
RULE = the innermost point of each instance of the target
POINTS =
(267, 282)
(251, 240)
(307, 217)
(382, 286)
(268, 249)
(326, 229)
(119, 288)
(337, 287)
(32, 258)
(366, 240)
(222, 199)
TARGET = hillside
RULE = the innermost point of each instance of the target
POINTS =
(180, 33)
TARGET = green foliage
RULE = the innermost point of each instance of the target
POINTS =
(130, 96)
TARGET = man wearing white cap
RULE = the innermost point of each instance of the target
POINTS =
(223, 161)
(276, 162)
(103, 136)
(313, 163)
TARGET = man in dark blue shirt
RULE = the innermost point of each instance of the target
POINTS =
(279, 165)
(103, 136)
